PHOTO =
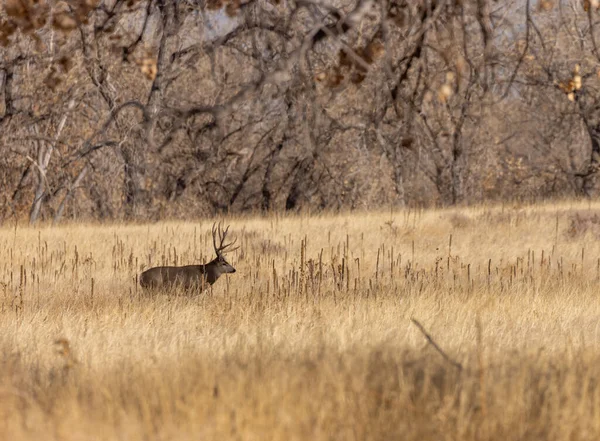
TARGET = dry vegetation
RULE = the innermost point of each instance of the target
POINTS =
(308, 340)
(146, 110)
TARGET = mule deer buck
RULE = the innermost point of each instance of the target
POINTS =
(192, 276)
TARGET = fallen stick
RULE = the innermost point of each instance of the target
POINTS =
(435, 345)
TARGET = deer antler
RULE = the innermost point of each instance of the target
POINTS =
(221, 249)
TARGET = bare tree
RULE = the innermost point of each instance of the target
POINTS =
(153, 108)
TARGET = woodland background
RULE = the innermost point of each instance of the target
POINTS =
(125, 109)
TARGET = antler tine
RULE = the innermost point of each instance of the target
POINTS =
(214, 235)
(231, 244)
(225, 234)
(222, 236)
(225, 231)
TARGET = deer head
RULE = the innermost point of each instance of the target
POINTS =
(223, 267)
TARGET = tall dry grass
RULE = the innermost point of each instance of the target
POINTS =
(312, 338)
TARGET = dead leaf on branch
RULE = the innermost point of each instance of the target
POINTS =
(357, 77)
(594, 4)
(64, 22)
(231, 6)
(331, 78)
(398, 14)
(148, 65)
(572, 85)
(350, 66)
(65, 63)
(32, 15)
(27, 15)
(446, 90)
(53, 79)
(7, 29)
(545, 5)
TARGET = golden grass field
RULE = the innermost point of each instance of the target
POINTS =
(312, 338)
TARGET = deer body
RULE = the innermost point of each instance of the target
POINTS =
(185, 277)
(190, 276)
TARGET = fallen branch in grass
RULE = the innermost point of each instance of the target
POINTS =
(435, 345)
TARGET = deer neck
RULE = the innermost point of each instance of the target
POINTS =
(212, 271)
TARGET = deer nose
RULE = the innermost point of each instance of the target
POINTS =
(233, 270)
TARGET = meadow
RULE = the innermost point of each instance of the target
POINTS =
(478, 323)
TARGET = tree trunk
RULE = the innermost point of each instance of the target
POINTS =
(133, 182)
(43, 158)
(45, 150)
(70, 191)
(265, 191)
(591, 183)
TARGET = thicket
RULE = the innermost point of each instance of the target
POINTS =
(125, 109)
